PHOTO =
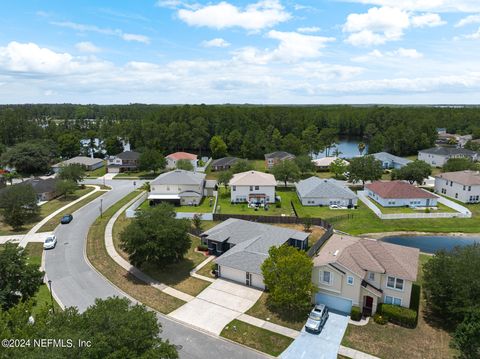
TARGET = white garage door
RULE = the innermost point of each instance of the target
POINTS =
(333, 302)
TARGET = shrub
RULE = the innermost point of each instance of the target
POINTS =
(380, 319)
(356, 314)
(399, 315)
(278, 204)
(202, 247)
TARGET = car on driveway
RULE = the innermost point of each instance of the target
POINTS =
(66, 219)
(317, 318)
(50, 242)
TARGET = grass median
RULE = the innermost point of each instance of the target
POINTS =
(99, 258)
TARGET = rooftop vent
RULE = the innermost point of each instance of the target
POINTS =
(336, 252)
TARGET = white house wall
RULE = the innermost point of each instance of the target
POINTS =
(457, 191)
(242, 193)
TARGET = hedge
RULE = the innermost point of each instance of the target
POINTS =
(356, 314)
(202, 247)
(380, 319)
(399, 315)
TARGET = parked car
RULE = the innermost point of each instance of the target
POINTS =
(317, 318)
(334, 206)
(50, 242)
(66, 219)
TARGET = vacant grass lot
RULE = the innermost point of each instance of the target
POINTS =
(255, 337)
(390, 341)
(99, 258)
(45, 210)
(53, 222)
(176, 275)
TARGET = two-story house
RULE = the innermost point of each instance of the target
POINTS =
(173, 158)
(252, 186)
(271, 159)
(438, 156)
(178, 187)
(351, 271)
(462, 185)
(123, 162)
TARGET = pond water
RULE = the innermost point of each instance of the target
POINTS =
(347, 148)
(431, 244)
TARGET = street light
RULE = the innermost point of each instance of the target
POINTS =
(51, 295)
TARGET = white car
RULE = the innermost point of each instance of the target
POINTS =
(50, 242)
(334, 206)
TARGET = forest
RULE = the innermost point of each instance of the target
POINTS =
(249, 131)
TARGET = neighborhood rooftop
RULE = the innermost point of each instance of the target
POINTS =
(253, 178)
(397, 190)
(449, 151)
(329, 188)
(225, 161)
(388, 157)
(278, 154)
(251, 242)
(179, 177)
(82, 160)
(182, 156)
(128, 155)
(466, 178)
(363, 255)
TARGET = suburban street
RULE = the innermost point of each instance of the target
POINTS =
(75, 283)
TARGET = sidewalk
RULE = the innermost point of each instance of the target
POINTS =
(112, 252)
(29, 237)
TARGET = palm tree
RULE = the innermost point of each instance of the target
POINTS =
(361, 147)
(337, 152)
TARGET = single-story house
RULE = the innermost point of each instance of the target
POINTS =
(438, 156)
(223, 164)
(173, 158)
(125, 161)
(242, 247)
(400, 194)
(461, 185)
(350, 271)
(390, 161)
(45, 189)
(316, 191)
(323, 164)
(252, 186)
(178, 187)
(88, 163)
(271, 159)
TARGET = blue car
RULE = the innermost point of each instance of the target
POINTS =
(66, 219)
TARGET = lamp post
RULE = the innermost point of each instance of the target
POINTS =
(51, 295)
(101, 207)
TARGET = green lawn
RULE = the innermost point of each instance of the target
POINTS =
(392, 341)
(255, 337)
(441, 209)
(206, 206)
(136, 175)
(99, 172)
(176, 275)
(45, 210)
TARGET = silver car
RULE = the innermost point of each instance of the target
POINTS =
(317, 318)
(50, 242)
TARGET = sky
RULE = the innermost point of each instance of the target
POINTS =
(245, 51)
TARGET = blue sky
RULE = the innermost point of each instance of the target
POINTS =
(266, 51)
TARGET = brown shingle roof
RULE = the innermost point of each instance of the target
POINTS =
(398, 189)
(363, 255)
(466, 178)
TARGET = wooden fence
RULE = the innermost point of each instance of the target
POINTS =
(314, 249)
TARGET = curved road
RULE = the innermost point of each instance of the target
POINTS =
(76, 284)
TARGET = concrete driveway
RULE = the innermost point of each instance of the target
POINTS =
(217, 305)
(319, 346)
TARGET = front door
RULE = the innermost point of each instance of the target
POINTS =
(368, 305)
(248, 279)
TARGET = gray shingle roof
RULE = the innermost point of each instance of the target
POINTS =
(179, 177)
(251, 242)
(448, 151)
(279, 154)
(81, 160)
(128, 155)
(323, 188)
(388, 157)
(225, 161)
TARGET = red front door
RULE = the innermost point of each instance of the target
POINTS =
(369, 302)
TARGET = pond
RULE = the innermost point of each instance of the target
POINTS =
(431, 244)
(347, 148)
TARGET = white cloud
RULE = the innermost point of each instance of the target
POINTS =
(409, 53)
(87, 46)
(310, 29)
(427, 20)
(471, 19)
(217, 42)
(400, 53)
(257, 16)
(474, 36)
(427, 5)
(105, 31)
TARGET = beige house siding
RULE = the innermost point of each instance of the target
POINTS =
(404, 294)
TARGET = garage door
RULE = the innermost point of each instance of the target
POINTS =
(333, 302)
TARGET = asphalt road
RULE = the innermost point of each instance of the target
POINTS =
(75, 283)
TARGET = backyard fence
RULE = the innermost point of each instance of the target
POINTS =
(276, 219)
(314, 249)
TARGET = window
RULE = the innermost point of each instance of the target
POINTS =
(326, 277)
(371, 276)
(397, 301)
(234, 188)
(469, 188)
(251, 188)
(257, 188)
(350, 280)
(456, 195)
(392, 300)
(395, 283)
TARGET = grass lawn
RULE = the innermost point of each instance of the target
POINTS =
(441, 209)
(255, 337)
(426, 341)
(259, 165)
(176, 275)
(45, 210)
(136, 175)
(99, 258)
(262, 310)
(99, 172)
(203, 207)
(42, 298)
(206, 271)
(55, 221)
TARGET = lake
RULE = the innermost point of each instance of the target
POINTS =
(348, 149)
(431, 244)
